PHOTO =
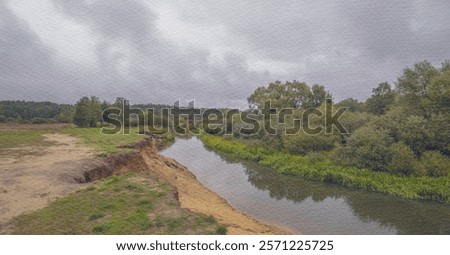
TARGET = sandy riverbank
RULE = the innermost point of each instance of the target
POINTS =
(196, 197)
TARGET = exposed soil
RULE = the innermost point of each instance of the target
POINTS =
(196, 197)
(31, 182)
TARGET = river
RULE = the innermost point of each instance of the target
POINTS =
(304, 206)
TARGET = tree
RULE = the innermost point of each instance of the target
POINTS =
(95, 111)
(19, 119)
(415, 81)
(278, 93)
(87, 112)
(367, 147)
(351, 104)
(445, 66)
(293, 94)
(413, 87)
(382, 98)
(317, 96)
(81, 117)
(354, 120)
(439, 93)
(298, 93)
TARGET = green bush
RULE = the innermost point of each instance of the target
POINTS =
(403, 160)
(367, 148)
(415, 133)
(303, 143)
(38, 120)
(436, 164)
(221, 230)
(354, 120)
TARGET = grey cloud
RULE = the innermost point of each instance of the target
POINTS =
(126, 19)
(24, 62)
(347, 46)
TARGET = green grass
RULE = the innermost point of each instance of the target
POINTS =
(127, 204)
(15, 143)
(19, 138)
(93, 137)
(105, 143)
(322, 169)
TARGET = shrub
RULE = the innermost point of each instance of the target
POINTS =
(354, 120)
(368, 148)
(303, 143)
(38, 120)
(415, 133)
(436, 164)
(221, 230)
(403, 160)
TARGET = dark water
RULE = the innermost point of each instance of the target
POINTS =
(305, 206)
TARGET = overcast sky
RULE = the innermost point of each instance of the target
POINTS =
(216, 52)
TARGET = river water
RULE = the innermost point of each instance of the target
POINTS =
(304, 206)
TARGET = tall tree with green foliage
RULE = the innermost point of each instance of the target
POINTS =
(439, 93)
(293, 94)
(382, 98)
(81, 116)
(353, 105)
(414, 87)
(87, 112)
(316, 97)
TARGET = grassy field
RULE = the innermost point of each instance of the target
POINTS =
(106, 144)
(322, 169)
(20, 138)
(93, 137)
(15, 142)
(126, 204)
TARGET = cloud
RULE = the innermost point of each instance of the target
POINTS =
(216, 52)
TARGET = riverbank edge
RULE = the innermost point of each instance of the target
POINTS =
(196, 197)
(420, 188)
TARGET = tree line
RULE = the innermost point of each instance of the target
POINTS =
(35, 112)
(86, 112)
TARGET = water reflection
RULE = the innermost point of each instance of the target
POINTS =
(305, 206)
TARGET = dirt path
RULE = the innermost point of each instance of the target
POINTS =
(31, 182)
(196, 197)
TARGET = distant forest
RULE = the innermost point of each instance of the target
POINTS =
(35, 112)
(86, 112)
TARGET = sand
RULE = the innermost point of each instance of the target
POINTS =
(31, 182)
(196, 197)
